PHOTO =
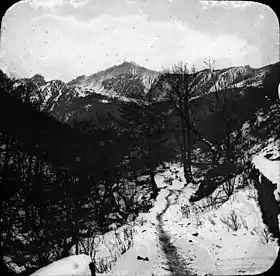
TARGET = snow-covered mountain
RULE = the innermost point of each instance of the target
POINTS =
(121, 83)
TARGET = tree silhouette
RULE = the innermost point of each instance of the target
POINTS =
(180, 86)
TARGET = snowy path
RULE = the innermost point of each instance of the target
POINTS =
(176, 264)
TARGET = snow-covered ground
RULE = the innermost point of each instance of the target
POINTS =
(76, 265)
(177, 235)
(269, 167)
(267, 162)
(203, 240)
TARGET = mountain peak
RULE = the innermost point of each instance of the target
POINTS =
(128, 67)
(129, 63)
(131, 68)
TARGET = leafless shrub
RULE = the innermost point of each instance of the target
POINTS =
(119, 244)
(201, 206)
(140, 221)
(196, 209)
(266, 235)
(253, 194)
(128, 237)
(231, 221)
(244, 223)
(104, 265)
(254, 231)
(89, 245)
(228, 186)
(185, 209)
(211, 202)
(244, 180)
(124, 242)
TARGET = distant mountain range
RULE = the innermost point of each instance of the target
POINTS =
(254, 91)
(105, 90)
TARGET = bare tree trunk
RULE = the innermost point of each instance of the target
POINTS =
(186, 150)
(190, 148)
(189, 154)
(153, 182)
(77, 248)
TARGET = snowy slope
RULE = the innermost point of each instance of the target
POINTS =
(269, 167)
(176, 236)
(201, 241)
(76, 265)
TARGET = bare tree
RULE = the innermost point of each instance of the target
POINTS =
(180, 85)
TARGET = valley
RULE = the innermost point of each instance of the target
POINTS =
(118, 136)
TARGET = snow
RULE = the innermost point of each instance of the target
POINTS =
(81, 93)
(145, 245)
(201, 238)
(104, 101)
(45, 88)
(269, 168)
(216, 249)
(147, 80)
(59, 94)
(13, 266)
(50, 93)
(99, 89)
(76, 265)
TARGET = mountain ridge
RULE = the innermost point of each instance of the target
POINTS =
(118, 84)
(120, 69)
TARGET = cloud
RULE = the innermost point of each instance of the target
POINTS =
(45, 3)
(241, 5)
(78, 3)
(63, 47)
(36, 4)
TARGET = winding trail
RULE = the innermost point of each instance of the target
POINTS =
(176, 264)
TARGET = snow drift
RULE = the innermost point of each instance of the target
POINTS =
(76, 265)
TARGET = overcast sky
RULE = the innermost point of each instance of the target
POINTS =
(62, 39)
